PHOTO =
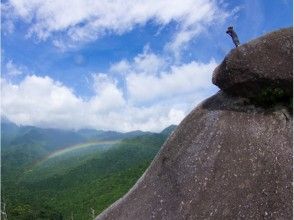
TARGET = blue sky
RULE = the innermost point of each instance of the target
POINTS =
(120, 65)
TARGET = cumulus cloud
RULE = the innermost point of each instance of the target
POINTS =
(180, 80)
(86, 20)
(154, 96)
(146, 62)
(7, 19)
(108, 97)
(43, 102)
(12, 69)
(150, 77)
(39, 101)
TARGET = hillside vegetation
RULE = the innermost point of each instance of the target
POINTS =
(74, 183)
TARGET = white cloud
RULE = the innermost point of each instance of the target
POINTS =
(43, 102)
(148, 92)
(150, 77)
(155, 95)
(180, 80)
(40, 101)
(86, 20)
(7, 19)
(147, 63)
(108, 96)
(122, 67)
(12, 69)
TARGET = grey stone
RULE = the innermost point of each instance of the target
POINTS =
(261, 64)
(226, 160)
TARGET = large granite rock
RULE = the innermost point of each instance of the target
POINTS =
(263, 64)
(226, 160)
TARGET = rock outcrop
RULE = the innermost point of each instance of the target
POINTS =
(259, 66)
(228, 159)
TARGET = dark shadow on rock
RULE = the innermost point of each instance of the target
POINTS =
(227, 102)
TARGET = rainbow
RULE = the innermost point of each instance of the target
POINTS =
(71, 148)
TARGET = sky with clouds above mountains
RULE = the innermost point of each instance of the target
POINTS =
(120, 65)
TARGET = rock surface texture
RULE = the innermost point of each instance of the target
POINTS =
(258, 65)
(228, 159)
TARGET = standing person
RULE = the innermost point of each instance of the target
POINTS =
(233, 35)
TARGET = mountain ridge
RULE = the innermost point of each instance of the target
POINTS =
(39, 181)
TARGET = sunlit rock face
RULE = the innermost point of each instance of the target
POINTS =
(230, 158)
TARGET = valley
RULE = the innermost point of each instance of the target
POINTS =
(74, 175)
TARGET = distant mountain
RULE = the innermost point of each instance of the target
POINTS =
(9, 131)
(53, 139)
(169, 130)
(89, 133)
(24, 142)
(5, 120)
(92, 134)
(52, 173)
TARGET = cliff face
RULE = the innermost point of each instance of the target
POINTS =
(228, 159)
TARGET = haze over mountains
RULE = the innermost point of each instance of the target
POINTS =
(56, 174)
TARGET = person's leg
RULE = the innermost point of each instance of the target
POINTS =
(236, 41)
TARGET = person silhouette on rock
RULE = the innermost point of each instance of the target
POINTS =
(233, 35)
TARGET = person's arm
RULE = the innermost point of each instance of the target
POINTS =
(229, 32)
